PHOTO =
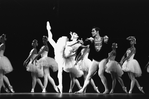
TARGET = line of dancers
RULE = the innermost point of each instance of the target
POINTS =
(78, 58)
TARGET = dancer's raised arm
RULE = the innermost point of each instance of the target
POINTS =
(50, 39)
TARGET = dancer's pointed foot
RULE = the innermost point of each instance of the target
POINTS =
(106, 91)
(130, 92)
(80, 91)
(44, 90)
(11, 89)
(6, 89)
(141, 89)
(111, 91)
(96, 89)
(125, 89)
(59, 88)
(32, 90)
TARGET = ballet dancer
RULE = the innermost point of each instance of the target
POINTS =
(36, 70)
(5, 66)
(80, 69)
(98, 58)
(114, 68)
(131, 65)
(47, 62)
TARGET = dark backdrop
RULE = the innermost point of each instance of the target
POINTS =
(25, 20)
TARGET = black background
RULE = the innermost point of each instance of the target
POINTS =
(25, 20)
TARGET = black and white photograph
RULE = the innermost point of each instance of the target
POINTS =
(74, 49)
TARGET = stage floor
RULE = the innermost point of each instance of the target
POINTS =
(73, 95)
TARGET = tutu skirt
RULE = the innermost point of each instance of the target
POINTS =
(5, 65)
(48, 62)
(31, 67)
(113, 66)
(132, 66)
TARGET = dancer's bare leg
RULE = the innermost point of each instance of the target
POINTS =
(122, 83)
(1, 80)
(59, 75)
(94, 86)
(101, 74)
(139, 87)
(8, 83)
(40, 83)
(113, 82)
(92, 70)
(72, 83)
(133, 80)
(34, 80)
(48, 77)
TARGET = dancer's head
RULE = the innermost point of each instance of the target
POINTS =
(34, 43)
(95, 31)
(74, 36)
(45, 40)
(3, 38)
(132, 40)
(114, 45)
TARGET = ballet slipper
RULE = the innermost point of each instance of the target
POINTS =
(44, 90)
(11, 89)
(106, 91)
(7, 90)
(96, 89)
(111, 91)
(80, 91)
(130, 92)
(125, 89)
(32, 90)
(141, 89)
(59, 88)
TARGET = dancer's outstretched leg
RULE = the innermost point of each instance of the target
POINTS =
(94, 86)
(139, 87)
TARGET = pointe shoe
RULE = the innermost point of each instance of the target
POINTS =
(80, 91)
(59, 88)
(106, 91)
(96, 89)
(44, 90)
(130, 92)
(125, 89)
(7, 90)
(32, 90)
(141, 89)
(11, 89)
(111, 91)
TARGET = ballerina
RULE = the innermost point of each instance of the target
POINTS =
(5, 65)
(131, 65)
(47, 62)
(36, 71)
(114, 68)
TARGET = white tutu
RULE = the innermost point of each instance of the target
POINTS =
(133, 66)
(48, 62)
(32, 67)
(5, 64)
(113, 66)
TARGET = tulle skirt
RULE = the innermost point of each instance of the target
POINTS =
(5, 64)
(113, 66)
(38, 70)
(132, 66)
(48, 62)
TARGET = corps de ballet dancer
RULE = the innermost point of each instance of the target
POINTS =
(131, 65)
(5, 66)
(98, 56)
(80, 65)
(114, 68)
(36, 70)
(47, 62)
